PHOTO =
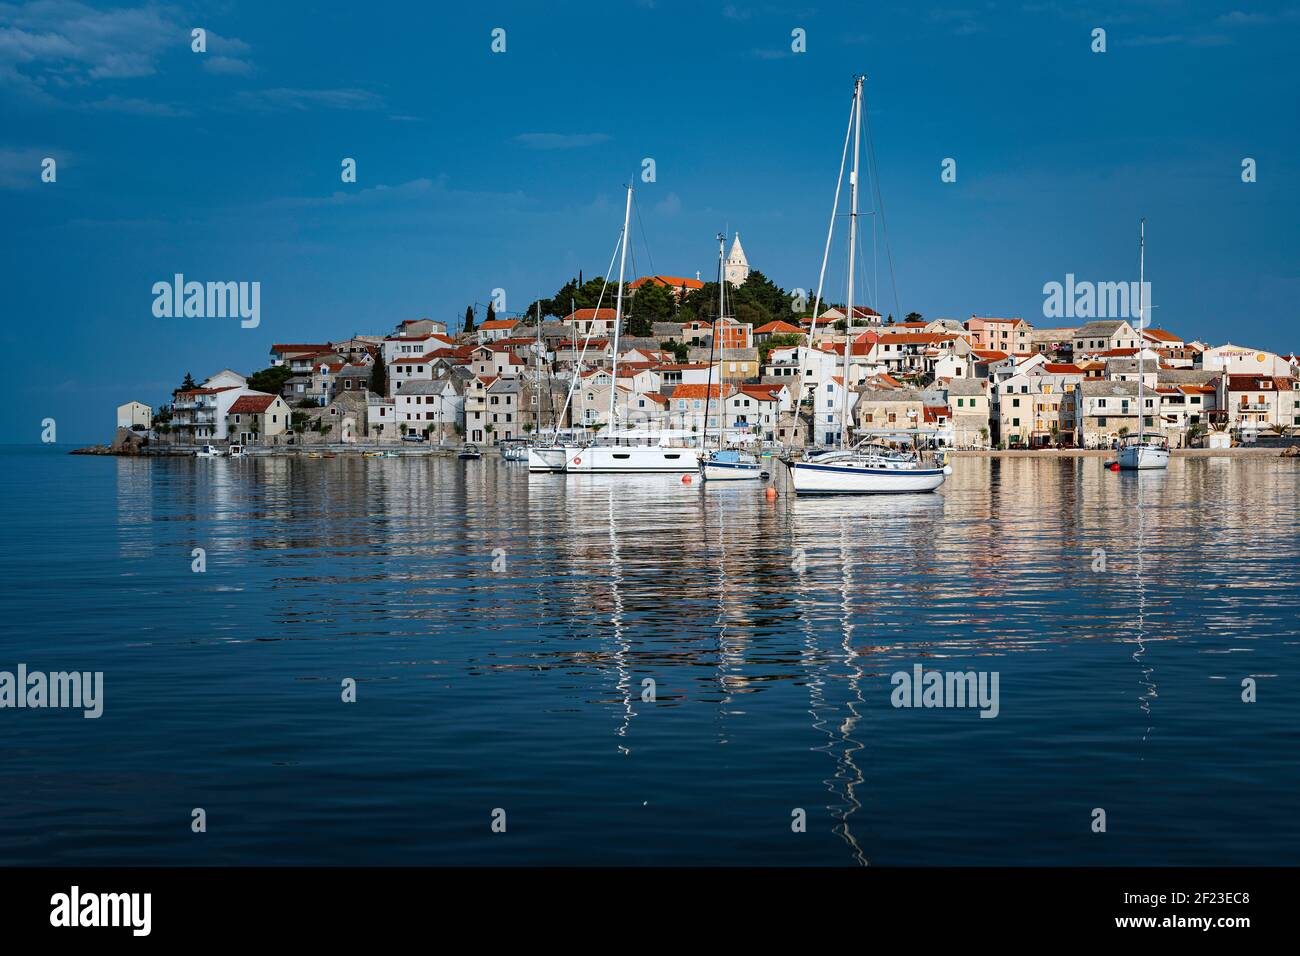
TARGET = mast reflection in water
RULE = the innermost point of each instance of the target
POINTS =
(502, 629)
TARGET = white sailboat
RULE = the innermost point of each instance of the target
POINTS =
(636, 450)
(861, 469)
(1143, 452)
(723, 463)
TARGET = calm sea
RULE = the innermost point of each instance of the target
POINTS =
(501, 629)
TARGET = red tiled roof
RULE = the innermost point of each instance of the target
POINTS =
(764, 393)
(312, 348)
(248, 404)
(584, 315)
(697, 391)
(1062, 368)
(673, 281)
(498, 324)
(777, 327)
(206, 391)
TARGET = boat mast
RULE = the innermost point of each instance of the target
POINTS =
(713, 344)
(853, 235)
(618, 308)
(1142, 261)
(537, 419)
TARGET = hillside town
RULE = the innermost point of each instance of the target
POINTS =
(983, 382)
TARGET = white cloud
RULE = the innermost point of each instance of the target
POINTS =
(287, 99)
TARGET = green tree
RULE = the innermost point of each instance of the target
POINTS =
(680, 350)
(914, 317)
(270, 380)
(491, 314)
(638, 326)
(654, 302)
(379, 375)
(188, 385)
(469, 319)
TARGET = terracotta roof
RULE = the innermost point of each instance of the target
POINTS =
(673, 281)
(777, 327)
(498, 324)
(1161, 335)
(697, 391)
(1062, 368)
(206, 391)
(318, 347)
(252, 403)
(584, 315)
(764, 393)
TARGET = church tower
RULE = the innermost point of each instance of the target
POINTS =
(737, 268)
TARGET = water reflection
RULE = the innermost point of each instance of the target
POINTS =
(776, 622)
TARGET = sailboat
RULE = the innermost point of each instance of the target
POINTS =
(723, 464)
(1143, 452)
(859, 469)
(630, 451)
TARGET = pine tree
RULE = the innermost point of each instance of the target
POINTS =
(491, 314)
(469, 319)
(188, 385)
(379, 376)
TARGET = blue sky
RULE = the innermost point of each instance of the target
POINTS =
(479, 170)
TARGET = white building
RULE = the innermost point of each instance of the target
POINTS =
(736, 268)
(134, 413)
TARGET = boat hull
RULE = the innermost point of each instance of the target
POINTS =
(629, 459)
(1143, 458)
(546, 459)
(811, 478)
(730, 470)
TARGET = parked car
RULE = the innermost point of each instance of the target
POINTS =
(413, 436)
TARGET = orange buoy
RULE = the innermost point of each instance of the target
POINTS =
(771, 493)
(686, 479)
(1113, 466)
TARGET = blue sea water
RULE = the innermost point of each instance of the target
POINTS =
(500, 627)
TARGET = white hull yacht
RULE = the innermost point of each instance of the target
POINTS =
(635, 451)
(865, 473)
(1143, 456)
(546, 458)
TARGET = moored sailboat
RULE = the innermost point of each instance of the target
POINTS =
(857, 469)
(635, 450)
(1143, 452)
(723, 463)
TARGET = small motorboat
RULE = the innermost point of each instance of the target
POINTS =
(391, 454)
(730, 464)
(374, 454)
(208, 451)
(236, 451)
(469, 453)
